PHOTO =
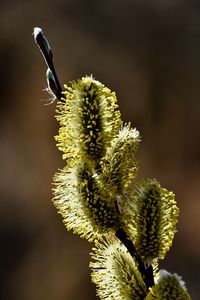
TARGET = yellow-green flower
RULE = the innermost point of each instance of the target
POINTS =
(89, 120)
(82, 204)
(150, 216)
(168, 287)
(115, 272)
(119, 165)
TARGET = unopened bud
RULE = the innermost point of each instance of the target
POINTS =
(42, 43)
(51, 82)
(54, 87)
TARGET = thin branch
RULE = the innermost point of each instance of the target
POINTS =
(147, 272)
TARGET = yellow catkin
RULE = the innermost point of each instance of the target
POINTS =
(89, 120)
(150, 215)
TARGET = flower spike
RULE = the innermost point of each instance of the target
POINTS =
(150, 215)
(168, 287)
(115, 272)
(89, 120)
(81, 204)
(119, 164)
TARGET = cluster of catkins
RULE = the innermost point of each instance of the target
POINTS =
(132, 225)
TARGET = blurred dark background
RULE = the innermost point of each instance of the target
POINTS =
(146, 51)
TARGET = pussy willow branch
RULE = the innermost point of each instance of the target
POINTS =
(43, 44)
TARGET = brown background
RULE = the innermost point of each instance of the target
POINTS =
(149, 53)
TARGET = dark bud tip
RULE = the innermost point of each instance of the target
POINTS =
(42, 42)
